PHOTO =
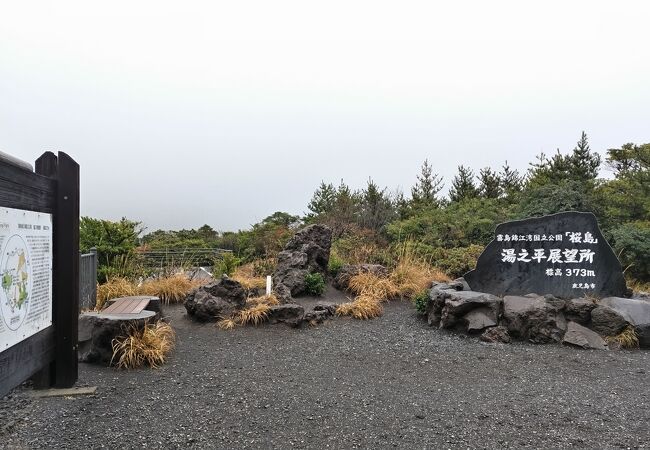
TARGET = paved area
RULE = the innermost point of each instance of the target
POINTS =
(392, 382)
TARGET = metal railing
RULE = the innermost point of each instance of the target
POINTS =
(184, 257)
(88, 280)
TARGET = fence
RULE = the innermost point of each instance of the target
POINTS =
(88, 280)
(184, 257)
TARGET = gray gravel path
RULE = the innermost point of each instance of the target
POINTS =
(384, 383)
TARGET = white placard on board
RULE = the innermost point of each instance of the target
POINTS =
(25, 274)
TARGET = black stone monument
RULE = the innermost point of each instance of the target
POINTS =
(563, 254)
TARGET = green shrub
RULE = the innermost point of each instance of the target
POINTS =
(421, 301)
(315, 284)
(632, 244)
(335, 264)
(455, 262)
(226, 265)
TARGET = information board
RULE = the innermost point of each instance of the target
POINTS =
(25, 274)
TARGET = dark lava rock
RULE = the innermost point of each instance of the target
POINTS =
(634, 311)
(342, 279)
(538, 319)
(479, 319)
(579, 310)
(315, 317)
(216, 300)
(606, 321)
(289, 313)
(449, 307)
(326, 306)
(583, 337)
(496, 335)
(97, 331)
(308, 251)
(563, 254)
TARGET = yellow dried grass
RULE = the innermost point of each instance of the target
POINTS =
(363, 307)
(626, 339)
(270, 300)
(150, 346)
(245, 275)
(227, 324)
(114, 288)
(172, 289)
(253, 315)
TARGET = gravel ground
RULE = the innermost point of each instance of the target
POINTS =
(388, 382)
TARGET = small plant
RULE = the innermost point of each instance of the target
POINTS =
(226, 265)
(227, 324)
(314, 283)
(334, 265)
(421, 300)
(626, 339)
(150, 345)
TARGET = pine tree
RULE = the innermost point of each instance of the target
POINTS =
(463, 186)
(427, 187)
(489, 183)
(323, 200)
(583, 165)
(511, 181)
(377, 208)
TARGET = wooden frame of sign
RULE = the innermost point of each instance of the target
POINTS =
(46, 350)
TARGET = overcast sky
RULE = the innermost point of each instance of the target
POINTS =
(185, 113)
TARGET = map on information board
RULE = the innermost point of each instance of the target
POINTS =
(25, 274)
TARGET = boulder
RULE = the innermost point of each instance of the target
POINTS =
(606, 321)
(449, 307)
(289, 313)
(496, 335)
(308, 251)
(479, 319)
(634, 311)
(342, 279)
(326, 306)
(538, 319)
(583, 337)
(216, 300)
(97, 331)
(314, 317)
(579, 310)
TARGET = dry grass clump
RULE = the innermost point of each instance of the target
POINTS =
(147, 346)
(409, 277)
(363, 307)
(172, 289)
(114, 288)
(255, 312)
(270, 300)
(626, 339)
(253, 315)
(247, 277)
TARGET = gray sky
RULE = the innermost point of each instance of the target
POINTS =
(185, 113)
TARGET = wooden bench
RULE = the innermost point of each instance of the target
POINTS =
(98, 329)
(127, 305)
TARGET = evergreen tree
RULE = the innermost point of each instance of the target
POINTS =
(489, 183)
(511, 181)
(463, 186)
(583, 164)
(427, 187)
(377, 207)
(323, 200)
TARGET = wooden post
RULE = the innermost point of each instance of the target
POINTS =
(66, 272)
(46, 165)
